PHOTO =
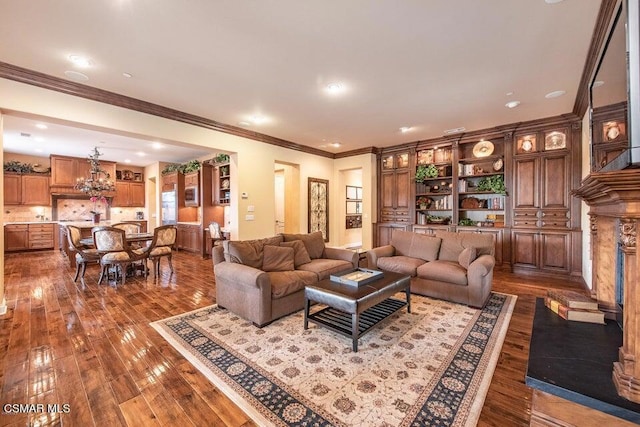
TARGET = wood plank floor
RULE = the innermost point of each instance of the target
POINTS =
(94, 350)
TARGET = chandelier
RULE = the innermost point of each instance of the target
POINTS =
(98, 180)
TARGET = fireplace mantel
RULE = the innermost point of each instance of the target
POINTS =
(614, 208)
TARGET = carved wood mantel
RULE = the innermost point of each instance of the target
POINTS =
(614, 208)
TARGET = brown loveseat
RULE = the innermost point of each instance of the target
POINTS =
(456, 267)
(263, 280)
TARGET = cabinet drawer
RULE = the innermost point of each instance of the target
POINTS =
(41, 227)
(16, 227)
(555, 219)
(525, 218)
(40, 235)
(41, 244)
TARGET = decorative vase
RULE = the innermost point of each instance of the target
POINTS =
(423, 206)
(96, 218)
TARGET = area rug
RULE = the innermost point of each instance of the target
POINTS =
(430, 367)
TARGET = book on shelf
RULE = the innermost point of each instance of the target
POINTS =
(573, 299)
(574, 314)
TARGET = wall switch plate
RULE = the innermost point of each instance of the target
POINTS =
(251, 208)
(249, 217)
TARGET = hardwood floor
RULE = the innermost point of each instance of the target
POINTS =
(94, 350)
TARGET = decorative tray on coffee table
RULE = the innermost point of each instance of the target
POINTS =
(356, 276)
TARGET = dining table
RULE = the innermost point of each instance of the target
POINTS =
(130, 237)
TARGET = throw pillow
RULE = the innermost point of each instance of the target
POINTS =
(277, 258)
(314, 242)
(301, 256)
(467, 256)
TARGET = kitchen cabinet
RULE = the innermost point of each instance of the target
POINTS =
(30, 190)
(188, 238)
(20, 237)
(65, 171)
(170, 181)
(395, 187)
(16, 237)
(129, 194)
(222, 184)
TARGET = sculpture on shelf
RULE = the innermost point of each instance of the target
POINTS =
(96, 184)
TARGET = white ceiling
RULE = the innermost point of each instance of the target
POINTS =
(431, 65)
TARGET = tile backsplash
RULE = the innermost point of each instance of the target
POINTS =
(68, 210)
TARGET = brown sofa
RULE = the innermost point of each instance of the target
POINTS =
(263, 280)
(451, 266)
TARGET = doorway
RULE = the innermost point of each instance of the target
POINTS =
(287, 198)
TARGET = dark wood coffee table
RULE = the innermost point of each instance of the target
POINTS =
(353, 310)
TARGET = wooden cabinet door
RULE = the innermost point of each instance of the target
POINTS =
(498, 239)
(555, 181)
(136, 194)
(192, 179)
(170, 181)
(403, 190)
(386, 230)
(526, 182)
(555, 251)
(387, 190)
(35, 190)
(122, 195)
(16, 237)
(524, 244)
(12, 189)
(63, 171)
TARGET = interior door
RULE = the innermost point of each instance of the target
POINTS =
(279, 192)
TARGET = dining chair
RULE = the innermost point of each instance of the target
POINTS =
(215, 232)
(128, 227)
(164, 237)
(111, 244)
(82, 254)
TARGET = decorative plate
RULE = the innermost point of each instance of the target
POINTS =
(497, 165)
(483, 149)
(225, 184)
(527, 145)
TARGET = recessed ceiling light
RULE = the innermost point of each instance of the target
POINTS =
(243, 123)
(157, 145)
(335, 144)
(597, 83)
(405, 129)
(74, 75)
(38, 150)
(456, 130)
(127, 160)
(555, 94)
(80, 61)
(552, 1)
(141, 154)
(258, 120)
(335, 88)
(41, 126)
(39, 139)
(127, 75)
(512, 104)
(509, 93)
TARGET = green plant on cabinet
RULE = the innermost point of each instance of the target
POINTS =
(493, 184)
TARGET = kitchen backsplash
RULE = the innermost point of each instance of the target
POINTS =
(68, 209)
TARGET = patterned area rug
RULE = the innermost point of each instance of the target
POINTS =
(431, 367)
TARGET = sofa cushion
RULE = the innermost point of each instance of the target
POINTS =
(400, 264)
(300, 254)
(248, 252)
(467, 256)
(314, 242)
(277, 258)
(454, 243)
(415, 245)
(324, 267)
(443, 271)
(285, 283)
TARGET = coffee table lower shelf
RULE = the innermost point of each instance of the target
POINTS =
(345, 323)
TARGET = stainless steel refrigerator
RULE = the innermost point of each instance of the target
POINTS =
(169, 207)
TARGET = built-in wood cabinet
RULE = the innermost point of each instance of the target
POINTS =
(65, 172)
(534, 218)
(395, 187)
(221, 184)
(30, 190)
(129, 194)
(610, 137)
(20, 237)
(188, 238)
(170, 181)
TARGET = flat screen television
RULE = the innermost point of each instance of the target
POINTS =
(616, 79)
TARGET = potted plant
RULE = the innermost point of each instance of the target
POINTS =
(493, 184)
(426, 171)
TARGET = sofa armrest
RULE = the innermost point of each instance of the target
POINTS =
(341, 254)
(244, 290)
(375, 253)
(481, 266)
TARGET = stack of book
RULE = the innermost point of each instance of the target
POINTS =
(572, 305)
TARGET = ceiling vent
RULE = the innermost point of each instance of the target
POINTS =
(26, 135)
(456, 130)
